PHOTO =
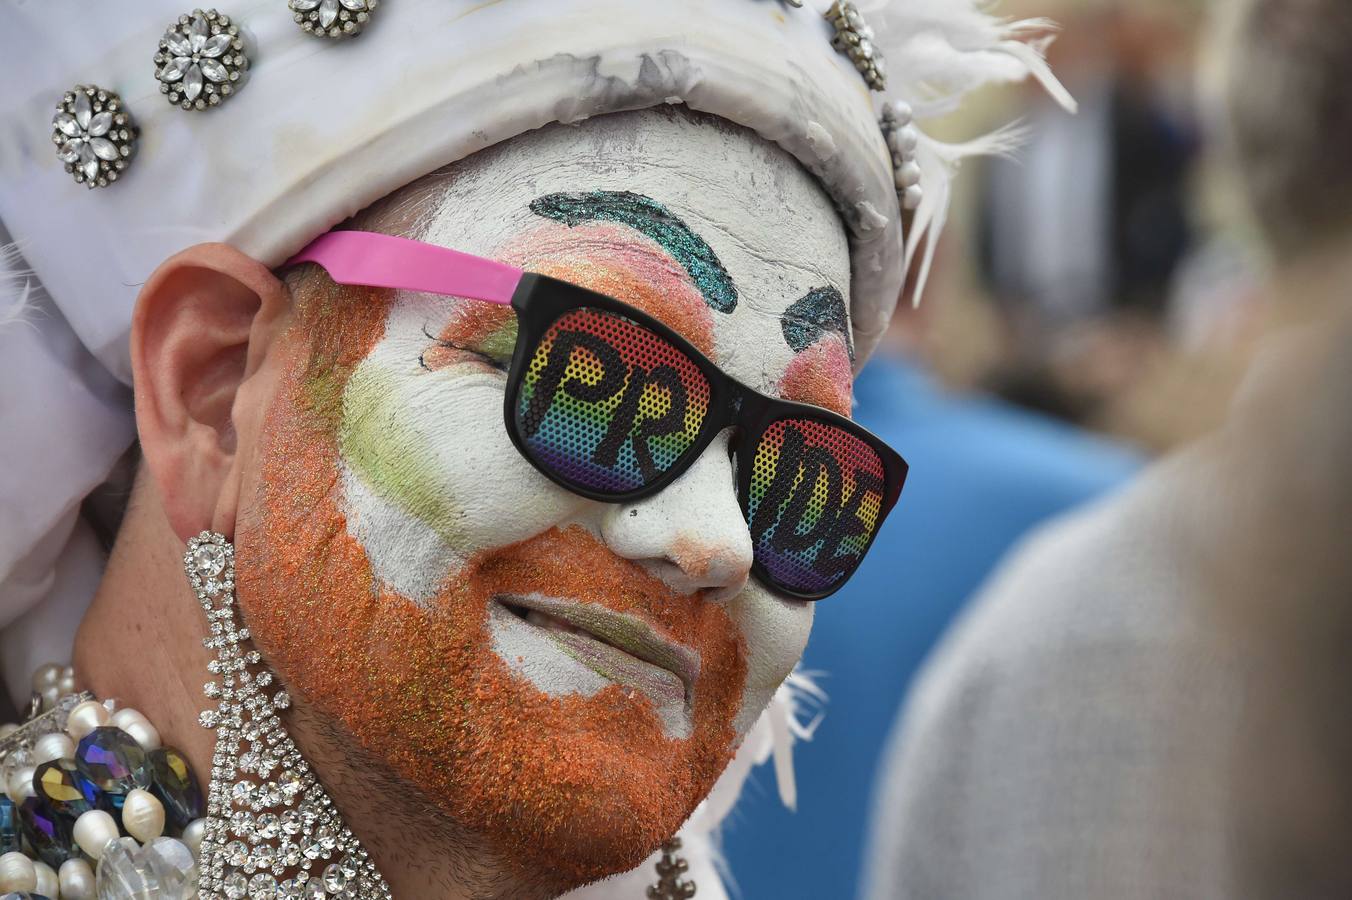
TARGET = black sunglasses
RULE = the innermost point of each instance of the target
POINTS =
(613, 405)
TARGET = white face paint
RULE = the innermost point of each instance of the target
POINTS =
(429, 475)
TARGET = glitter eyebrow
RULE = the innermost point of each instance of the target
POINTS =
(653, 220)
(818, 311)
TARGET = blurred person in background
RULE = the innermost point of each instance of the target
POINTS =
(1150, 699)
(1080, 234)
(985, 472)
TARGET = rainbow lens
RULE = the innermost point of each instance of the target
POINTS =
(815, 502)
(608, 405)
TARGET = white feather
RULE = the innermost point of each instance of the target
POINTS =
(937, 52)
(17, 284)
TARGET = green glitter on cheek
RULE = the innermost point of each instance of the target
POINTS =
(378, 443)
(500, 344)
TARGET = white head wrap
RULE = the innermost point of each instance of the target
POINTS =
(321, 129)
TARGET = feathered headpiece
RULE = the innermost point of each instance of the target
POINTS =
(939, 51)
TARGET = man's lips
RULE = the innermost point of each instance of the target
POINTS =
(584, 626)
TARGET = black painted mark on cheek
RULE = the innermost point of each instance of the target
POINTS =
(817, 312)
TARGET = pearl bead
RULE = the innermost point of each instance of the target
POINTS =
(85, 717)
(47, 676)
(124, 716)
(67, 684)
(20, 785)
(902, 111)
(193, 834)
(909, 174)
(93, 830)
(143, 815)
(77, 880)
(50, 697)
(17, 873)
(48, 883)
(56, 745)
(913, 197)
(143, 733)
(907, 139)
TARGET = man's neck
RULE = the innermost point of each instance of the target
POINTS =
(141, 643)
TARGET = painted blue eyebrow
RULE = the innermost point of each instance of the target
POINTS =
(653, 220)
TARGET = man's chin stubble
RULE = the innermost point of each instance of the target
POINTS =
(410, 836)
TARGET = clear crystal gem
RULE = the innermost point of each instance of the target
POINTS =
(328, 12)
(216, 45)
(236, 886)
(334, 879)
(262, 887)
(208, 559)
(291, 822)
(267, 827)
(289, 854)
(84, 111)
(214, 71)
(241, 823)
(236, 853)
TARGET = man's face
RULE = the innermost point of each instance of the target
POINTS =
(565, 677)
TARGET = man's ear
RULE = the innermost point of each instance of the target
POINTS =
(202, 329)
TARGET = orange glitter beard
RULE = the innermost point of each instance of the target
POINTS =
(573, 788)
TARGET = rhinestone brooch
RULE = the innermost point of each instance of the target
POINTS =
(94, 135)
(854, 38)
(271, 828)
(332, 18)
(200, 61)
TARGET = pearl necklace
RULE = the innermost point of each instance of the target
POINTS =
(88, 783)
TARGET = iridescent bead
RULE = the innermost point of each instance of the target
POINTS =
(48, 833)
(61, 783)
(10, 835)
(114, 763)
(175, 784)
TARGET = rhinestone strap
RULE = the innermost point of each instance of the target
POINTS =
(272, 830)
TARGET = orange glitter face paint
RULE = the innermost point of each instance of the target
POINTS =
(417, 682)
(612, 259)
(821, 375)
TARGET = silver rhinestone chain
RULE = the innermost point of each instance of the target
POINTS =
(272, 830)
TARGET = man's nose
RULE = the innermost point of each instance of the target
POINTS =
(692, 533)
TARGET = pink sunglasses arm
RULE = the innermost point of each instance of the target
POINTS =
(385, 261)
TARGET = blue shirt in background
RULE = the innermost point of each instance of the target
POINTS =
(982, 474)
